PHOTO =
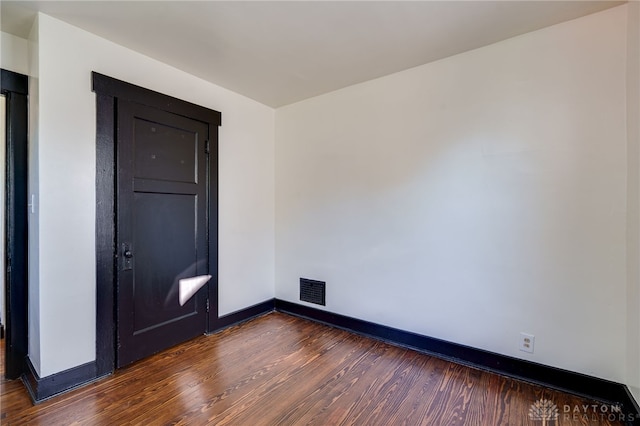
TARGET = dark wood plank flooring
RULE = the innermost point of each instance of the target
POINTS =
(283, 370)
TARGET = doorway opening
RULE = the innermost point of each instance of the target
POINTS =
(14, 88)
(3, 126)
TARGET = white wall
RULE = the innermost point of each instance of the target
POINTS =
(66, 281)
(633, 202)
(33, 309)
(20, 55)
(472, 198)
(14, 53)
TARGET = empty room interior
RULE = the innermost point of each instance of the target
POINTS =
(319, 212)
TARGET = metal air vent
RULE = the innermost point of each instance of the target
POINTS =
(313, 291)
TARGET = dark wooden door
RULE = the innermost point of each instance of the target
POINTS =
(162, 222)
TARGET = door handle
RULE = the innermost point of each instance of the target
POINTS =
(127, 257)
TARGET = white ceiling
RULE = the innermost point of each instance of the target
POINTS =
(282, 52)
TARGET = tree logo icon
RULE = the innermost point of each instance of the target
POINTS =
(544, 410)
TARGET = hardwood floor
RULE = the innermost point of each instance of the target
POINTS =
(283, 370)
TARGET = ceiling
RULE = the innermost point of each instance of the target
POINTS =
(282, 52)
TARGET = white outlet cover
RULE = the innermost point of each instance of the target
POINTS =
(526, 342)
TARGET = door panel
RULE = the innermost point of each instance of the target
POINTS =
(161, 228)
(165, 153)
(160, 257)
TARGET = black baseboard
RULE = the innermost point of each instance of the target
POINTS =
(589, 387)
(244, 315)
(41, 389)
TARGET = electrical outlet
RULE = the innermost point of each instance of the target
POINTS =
(526, 342)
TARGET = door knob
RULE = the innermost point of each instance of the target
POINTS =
(127, 254)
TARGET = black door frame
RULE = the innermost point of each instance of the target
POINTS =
(108, 90)
(16, 89)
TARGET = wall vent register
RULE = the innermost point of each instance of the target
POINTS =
(313, 291)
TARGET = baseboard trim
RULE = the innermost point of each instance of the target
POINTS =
(609, 392)
(243, 315)
(563, 380)
(41, 389)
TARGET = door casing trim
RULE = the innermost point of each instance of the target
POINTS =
(16, 89)
(108, 90)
